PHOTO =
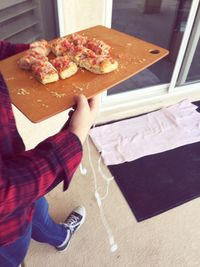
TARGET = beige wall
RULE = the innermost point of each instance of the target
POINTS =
(81, 14)
(33, 133)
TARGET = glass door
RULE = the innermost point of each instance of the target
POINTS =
(162, 22)
(194, 70)
(190, 71)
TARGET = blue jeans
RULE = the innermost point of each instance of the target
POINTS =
(42, 229)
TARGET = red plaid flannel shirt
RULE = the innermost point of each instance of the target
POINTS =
(25, 176)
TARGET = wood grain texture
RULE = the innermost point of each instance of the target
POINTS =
(39, 102)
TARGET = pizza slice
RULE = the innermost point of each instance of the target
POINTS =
(45, 72)
(30, 58)
(77, 39)
(60, 46)
(56, 47)
(41, 47)
(78, 53)
(64, 66)
(99, 65)
(99, 47)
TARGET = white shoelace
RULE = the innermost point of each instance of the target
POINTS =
(72, 221)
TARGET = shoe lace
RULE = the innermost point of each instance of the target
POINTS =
(72, 220)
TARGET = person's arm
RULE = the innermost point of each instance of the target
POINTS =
(29, 175)
(8, 49)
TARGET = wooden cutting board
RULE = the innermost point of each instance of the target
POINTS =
(38, 102)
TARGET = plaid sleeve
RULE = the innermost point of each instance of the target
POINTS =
(28, 176)
(7, 49)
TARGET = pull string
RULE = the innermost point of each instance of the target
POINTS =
(113, 245)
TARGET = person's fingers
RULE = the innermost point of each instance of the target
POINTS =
(94, 102)
(81, 101)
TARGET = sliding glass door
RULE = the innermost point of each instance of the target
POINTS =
(162, 22)
(193, 74)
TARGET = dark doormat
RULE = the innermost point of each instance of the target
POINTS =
(156, 183)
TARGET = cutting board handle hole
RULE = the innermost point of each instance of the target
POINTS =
(154, 51)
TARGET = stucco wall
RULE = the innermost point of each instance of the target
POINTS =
(33, 133)
(81, 14)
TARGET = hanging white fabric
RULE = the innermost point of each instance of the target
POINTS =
(148, 134)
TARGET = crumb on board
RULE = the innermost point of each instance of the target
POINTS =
(77, 87)
(120, 56)
(121, 67)
(44, 105)
(22, 91)
(39, 100)
(139, 60)
(9, 78)
(82, 86)
(58, 95)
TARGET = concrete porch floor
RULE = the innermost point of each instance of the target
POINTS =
(170, 239)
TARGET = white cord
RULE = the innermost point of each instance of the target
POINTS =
(83, 170)
(99, 199)
(106, 178)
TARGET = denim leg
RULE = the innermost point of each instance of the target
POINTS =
(44, 229)
(13, 254)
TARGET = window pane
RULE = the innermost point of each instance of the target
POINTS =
(161, 22)
(194, 72)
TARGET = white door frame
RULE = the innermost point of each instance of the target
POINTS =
(61, 21)
(108, 5)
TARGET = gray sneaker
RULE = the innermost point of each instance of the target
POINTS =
(73, 222)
